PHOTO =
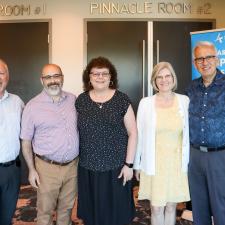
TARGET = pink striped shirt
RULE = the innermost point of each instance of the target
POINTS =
(51, 126)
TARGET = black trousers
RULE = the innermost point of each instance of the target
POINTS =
(207, 186)
(9, 190)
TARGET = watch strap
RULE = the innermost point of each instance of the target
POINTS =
(130, 165)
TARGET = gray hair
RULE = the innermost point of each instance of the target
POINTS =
(203, 44)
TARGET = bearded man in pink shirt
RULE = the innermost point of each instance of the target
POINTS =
(50, 146)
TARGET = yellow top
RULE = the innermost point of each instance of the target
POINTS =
(169, 184)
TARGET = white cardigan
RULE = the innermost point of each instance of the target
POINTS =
(146, 124)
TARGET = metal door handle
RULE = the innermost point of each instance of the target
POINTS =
(157, 51)
(150, 56)
(143, 68)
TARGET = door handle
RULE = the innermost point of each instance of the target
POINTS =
(157, 51)
(143, 68)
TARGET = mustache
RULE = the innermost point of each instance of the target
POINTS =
(53, 83)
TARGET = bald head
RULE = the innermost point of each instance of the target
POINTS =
(51, 67)
(3, 64)
(4, 77)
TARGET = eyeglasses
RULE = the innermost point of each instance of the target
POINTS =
(166, 77)
(104, 74)
(208, 58)
(54, 76)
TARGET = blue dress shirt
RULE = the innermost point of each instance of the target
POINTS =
(207, 112)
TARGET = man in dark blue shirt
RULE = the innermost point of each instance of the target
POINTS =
(207, 137)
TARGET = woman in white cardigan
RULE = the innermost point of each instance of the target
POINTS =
(163, 146)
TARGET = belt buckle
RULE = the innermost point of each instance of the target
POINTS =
(203, 149)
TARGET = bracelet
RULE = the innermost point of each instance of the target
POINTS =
(130, 165)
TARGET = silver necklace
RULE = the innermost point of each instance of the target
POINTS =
(99, 105)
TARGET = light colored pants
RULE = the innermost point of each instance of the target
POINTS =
(57, 191)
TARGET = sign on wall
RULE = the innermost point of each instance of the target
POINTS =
(217, 37)
(149, 7)
(7, 10)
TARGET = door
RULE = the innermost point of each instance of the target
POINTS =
(173, 41)
(123, 43)
(25, 48)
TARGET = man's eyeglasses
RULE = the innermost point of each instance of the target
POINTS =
(54, 76)
(104, 74)
(208, 58)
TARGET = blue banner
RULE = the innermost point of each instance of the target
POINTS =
(217, 37)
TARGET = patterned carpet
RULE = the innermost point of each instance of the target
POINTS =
(26, 210)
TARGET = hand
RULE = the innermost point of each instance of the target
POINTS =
(34, 178)
(137, 175)
(126, 173)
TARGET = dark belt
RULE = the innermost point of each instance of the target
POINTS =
(52, 161)
(9, 163)
(208, 149)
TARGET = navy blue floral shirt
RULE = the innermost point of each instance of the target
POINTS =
(207, 112)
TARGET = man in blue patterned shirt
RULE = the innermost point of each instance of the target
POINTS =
(207, 137)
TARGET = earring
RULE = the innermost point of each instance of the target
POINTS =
(89, 83)
(111, 83)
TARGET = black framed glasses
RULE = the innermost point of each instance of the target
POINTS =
(49, 77)
(208, 58)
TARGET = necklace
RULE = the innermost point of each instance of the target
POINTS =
(100, 100)
(99, 105)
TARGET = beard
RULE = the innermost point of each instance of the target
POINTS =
(53, 89)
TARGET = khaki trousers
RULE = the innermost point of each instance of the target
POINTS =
(56, 192)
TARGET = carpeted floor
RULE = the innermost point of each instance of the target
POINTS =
(26, 210)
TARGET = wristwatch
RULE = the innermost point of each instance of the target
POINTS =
(130, 165)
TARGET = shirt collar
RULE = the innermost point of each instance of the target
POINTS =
(218, 79)
(6, 95)
(48, 98)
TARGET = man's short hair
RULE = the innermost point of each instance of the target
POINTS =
(203, 44)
